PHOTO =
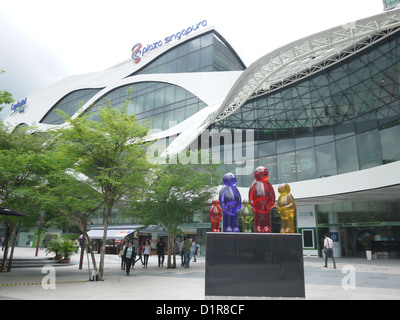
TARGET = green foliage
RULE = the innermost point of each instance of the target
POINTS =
(55, 246)
(5, 96)
(61, 247)
(175, 193)
(107, 156)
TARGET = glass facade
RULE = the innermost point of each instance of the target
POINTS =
(163, 104)
(358, 221)
(69, 104)
(206, 53)
(160, 103)
(388, 4)
(343, 119)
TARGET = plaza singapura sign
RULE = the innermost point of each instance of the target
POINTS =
(139, 50)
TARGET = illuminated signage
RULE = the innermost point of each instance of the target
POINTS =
(19, 107)
(139, 51)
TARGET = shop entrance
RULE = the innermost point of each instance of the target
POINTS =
(384, 242)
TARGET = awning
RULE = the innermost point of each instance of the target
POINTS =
(161, 231)
(112, 232)
(9, 212)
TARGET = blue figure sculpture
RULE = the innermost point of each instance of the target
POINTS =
(231, 202)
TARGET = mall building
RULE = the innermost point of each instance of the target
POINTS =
(321, 113)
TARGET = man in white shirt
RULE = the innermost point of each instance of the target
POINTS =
(328, 249)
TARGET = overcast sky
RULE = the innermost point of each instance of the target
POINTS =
(43, 41)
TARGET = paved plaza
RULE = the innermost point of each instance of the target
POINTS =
(353, 279)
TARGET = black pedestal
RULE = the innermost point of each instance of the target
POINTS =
(254, 265)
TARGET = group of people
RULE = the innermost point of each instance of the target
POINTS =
(131, 249)
(188, 250)
(129, 252)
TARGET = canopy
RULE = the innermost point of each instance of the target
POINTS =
(116, 233)
(119, 233)
(9, 212)
(161, 231)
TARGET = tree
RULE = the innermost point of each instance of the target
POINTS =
(176, 192)
(22, 164)
(5, 96)
(110, 153)
(73, 199)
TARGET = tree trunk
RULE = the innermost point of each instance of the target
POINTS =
(171, 249)
(6, 244)
(106, 214)
(90, 248)
(13, 246)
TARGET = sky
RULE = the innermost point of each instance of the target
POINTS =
(43, 41)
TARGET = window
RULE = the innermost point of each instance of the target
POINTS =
(69, 104)
(159, 102)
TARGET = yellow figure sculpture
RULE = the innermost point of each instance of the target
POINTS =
(286, 207)
(247, 215)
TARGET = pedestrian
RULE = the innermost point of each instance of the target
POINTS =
(146, 253)
(187, 245)
(193, 250)
(129, 254)
(198, 252)
(135, 247)
(328, 250)
(140, 252)
(182, 251)
(160, 252)
(121, 255)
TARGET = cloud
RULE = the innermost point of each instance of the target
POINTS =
(29, 65)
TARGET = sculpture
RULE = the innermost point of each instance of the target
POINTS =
(231, 203)
(247, 216)
(262, 199)
(286, 207)
(215, 216)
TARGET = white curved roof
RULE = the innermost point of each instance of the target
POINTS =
(210, 87)
(307, 56)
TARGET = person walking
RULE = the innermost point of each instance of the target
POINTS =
(140, 252)
(193, 250)
(182, 251)
(135, 247)
(129, 255)
(121, 255)
(146, 253)
(198, 252)
(328, 250)
(160, 252)
(187, 244)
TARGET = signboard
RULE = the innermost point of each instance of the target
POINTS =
(18, 107)
(139, 50)
(306, 217)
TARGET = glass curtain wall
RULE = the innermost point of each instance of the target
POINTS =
(205, 53)
(343, 119)
(163, 104)
(69, 104)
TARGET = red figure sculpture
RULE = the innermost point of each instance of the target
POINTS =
(215, 215)
(262, 199)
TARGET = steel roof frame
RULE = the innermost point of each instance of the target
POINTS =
(307, 56)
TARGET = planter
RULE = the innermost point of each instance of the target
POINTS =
(58, 258)
(369, 254)
(66, 260)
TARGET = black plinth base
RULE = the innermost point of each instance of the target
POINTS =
(254, 265)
